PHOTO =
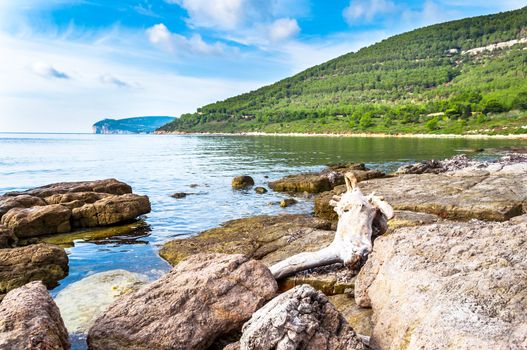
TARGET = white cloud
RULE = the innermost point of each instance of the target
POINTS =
(112, 80)
(160, 35)
(367, 10)
(47, 71)
(283, 28)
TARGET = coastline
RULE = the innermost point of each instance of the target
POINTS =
(374, 135)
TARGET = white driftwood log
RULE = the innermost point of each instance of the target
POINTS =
(359, 217)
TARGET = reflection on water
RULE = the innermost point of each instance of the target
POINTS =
(159, 166)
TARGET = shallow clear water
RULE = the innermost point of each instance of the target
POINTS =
(158, 166)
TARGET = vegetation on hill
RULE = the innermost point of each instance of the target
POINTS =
(136, 125)
(420, 81)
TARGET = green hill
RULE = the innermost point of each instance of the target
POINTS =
(136, 125)
(420, 81)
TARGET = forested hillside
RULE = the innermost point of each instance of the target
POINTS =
(425, 80)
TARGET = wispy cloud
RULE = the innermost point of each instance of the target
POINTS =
(160, 36)
(47, 71)
(111, 80)
(359, 11)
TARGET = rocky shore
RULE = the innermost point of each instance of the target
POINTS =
(450, 271)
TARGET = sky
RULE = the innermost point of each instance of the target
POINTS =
(65, 64)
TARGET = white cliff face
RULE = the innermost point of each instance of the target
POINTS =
(82, 302)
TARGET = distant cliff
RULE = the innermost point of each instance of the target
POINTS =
(138, 125)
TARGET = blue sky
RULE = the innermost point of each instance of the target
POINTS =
(68, 63)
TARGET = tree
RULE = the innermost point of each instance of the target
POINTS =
(366, 121)
(432, 124)
(493, 106)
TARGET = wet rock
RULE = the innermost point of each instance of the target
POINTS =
(7, 238)
(202, 298)
(494, 193)
(110, 186)
(359, 318)
(260, 190)
(242, 182)
(301, 318)
(110, 210)
(23, 201)
(322, 181)
(82, 302)
(261, 237)
(287, 202)
(179, 195)
(36, 221)
(21, 265)
(30, 320)
(448, 286)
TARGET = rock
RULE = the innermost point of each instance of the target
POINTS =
(39, 220)
(30, 320)
(110, 210)
(7, 238)
(179, 195)
(202, 298)
(242, 182)
(330, 280)
(110, 186)
(75, 197)
(260, 190)
(21, 265)
(322, 181)
(301, 318)
(284, 203)
(82, 302)
(448, 286)
(22, 201)
(494, 194)
(359, 318)
(270, 238)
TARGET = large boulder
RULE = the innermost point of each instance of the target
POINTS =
(37, 221)
(110, 210)
(448, 286)
(44, 262)
(7, 237)
(110, 186)
(322, 181)
(242, 182)
(30, 320)
(202, 298)
(82, 302)
(495, 193)
(301, 318)
(22, 201)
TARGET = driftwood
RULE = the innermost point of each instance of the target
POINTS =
(360, 217)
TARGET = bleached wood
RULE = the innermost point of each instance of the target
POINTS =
(353, 238)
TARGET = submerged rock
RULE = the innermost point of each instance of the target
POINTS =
(495, 194)
(242, 182)
(30, 320)
(179, 195)
(448, 286)
(260, 190)
(82, 302)
(287, 202)
(301, 318)
(44, 262)
(202, 298)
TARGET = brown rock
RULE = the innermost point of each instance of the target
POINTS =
(260, 190)
(301, 318)
(21, 265)
(111, 186)
(448, 286)
(7, 238)
(111, 210)
(287, 202)
(359, 318)
(30, 320)
(23, 201)
(202, 298)
(242, 182)
(259, 237)
(37, 221)
(81, 197)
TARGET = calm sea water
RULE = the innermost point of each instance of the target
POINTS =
(161, 165)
